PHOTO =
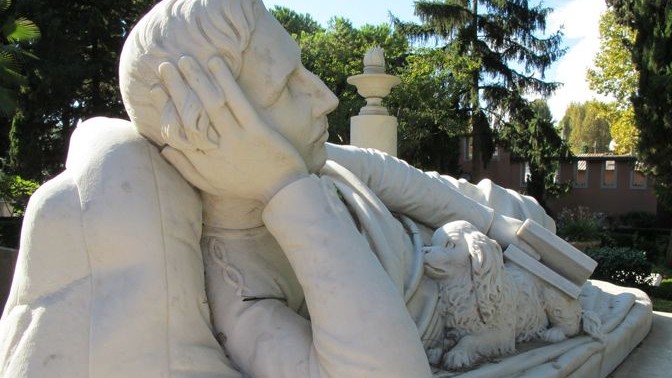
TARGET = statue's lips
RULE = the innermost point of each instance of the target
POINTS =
(322, 135)
(323, 138)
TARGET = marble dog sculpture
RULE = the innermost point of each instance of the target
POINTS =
(487, 305)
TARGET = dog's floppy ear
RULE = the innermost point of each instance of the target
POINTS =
(487, 266)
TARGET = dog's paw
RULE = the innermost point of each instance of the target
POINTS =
(458, 358)
(553, 335)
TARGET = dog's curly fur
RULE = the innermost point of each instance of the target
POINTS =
(487, 305)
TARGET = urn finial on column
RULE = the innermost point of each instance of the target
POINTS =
(374, 84)
(374, 127)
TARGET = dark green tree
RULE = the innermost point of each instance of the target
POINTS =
(16, 35)
(536, 140)
(427, 106)
(295, 23)
(652, 55)
(74, 79)
(502, 58)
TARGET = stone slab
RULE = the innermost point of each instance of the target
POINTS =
(653, 357)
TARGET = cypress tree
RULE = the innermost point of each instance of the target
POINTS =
(502, 57)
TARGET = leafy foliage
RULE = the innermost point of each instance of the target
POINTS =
(652, 55)
(74, 79)
(489, 38)
(587, 127)
(615, 74)
(534, 138)
(16, 191)
(295, 23)
(579, 224)
(426, 104)
(623, 266)
(16, 35)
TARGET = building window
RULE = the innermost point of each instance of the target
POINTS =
(581, 174)
(609, 174)
(637, 177)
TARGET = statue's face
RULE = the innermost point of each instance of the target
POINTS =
(286, 95)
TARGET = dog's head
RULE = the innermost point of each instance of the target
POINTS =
(448, 255)
(459, 248)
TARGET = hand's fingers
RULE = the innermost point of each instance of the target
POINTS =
(238, 103)
(188, 105)
(211, 97)
(171, 126)
(177, 89)
(183, 101)
(196, 123)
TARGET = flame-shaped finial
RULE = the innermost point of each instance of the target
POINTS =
(374, 61)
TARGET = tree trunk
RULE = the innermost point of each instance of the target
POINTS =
(474, 103)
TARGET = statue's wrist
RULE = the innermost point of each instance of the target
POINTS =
(273, 190)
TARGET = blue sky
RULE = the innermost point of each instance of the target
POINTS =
(578, 18)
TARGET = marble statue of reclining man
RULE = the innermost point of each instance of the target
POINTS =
(242, 120)
(309, 272)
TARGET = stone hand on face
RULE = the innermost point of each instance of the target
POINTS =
(270, 121)
(286, 95)
(448, 253)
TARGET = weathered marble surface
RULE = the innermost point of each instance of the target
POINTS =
(109, 278)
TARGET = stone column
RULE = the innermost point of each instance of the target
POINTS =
(374, 127)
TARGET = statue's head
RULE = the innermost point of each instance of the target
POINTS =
(259, 53)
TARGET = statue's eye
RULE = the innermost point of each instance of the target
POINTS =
(449, 244)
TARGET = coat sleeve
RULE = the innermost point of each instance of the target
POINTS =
(426, 197)
(432, 198)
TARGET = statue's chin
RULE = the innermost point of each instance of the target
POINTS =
(315, 162)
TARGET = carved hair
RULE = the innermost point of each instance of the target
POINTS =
(201, 29)
(487, 268)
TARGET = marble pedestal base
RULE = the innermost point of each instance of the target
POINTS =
(374, 131)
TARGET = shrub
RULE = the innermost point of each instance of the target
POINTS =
(621, 265)
(16, 191)
(663, 291)
(638, 219)
(580, 224)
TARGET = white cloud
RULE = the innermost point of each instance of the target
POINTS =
(580, 19)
